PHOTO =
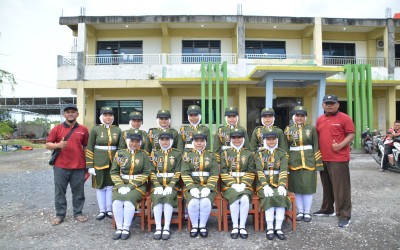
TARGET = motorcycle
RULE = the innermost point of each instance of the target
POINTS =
(394, 158)
(367, 141)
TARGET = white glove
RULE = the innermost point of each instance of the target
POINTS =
(92, 171)
(237, 187)
(122, 190)
(195, 192)
(158, 190)
(167, 190)
(205, 192)
(268, 191)
(243, 186)
(282, 190)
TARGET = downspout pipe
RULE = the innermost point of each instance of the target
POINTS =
(369, 96)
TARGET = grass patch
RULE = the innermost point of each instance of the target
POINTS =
(21, 142)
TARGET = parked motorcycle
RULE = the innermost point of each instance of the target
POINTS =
(394, 158)
(367, 141)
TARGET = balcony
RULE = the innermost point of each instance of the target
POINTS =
(342, 60)
(280, 59)
(397, 62)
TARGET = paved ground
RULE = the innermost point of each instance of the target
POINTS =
(26, 207)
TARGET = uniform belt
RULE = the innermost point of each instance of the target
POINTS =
(165, 174)
(200, 173)
(189, 145)
(105, 147)
(300, 148)
(129, 177)
(267, 172)
(225, 147)
(237, 174)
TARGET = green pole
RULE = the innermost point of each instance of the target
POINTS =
(225, 77)
(349, 79)
(369, 96)
(203, 92)
(357, 124)
(363, 97)
(210, 98)
(217, 96)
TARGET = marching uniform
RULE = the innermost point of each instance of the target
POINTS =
(256, 141)
(187, 131)
(146, 145)
(222, 139)
(154, 132)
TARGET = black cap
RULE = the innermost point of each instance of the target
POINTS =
(299, 110)
(330, 98)
(268, 111)
(135, 136)
(237, 132)
(135, 116)
(69, 106)
(198, 135)
(194, 109)
(163, 114)
(106, 110)
(231, 111)
(165, 135)
(270, 134)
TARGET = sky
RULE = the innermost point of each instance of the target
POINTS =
(31, 37)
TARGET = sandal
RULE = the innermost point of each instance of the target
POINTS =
(81, 218)
(165, 234)
(56, 221)
(157, 236)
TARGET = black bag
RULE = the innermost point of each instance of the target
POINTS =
(57, 151)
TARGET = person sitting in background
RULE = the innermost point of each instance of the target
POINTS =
(391, 134)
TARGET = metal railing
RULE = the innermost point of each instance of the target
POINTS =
(111, 59)
(278, 56)
(397, 62)
(342, 60)
(198, 58)
(69, 60)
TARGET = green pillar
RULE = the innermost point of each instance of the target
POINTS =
(217, 97)
(225, 78)
(348, 72)
(363, 97)
(356, 119)
(369, 96)
(210, 98)
(203, 92)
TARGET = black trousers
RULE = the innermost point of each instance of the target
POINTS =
(387, 151)
(75, 178)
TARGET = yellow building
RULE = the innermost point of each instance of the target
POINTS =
(148, 63)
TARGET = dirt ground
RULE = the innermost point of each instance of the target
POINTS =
(27, 205)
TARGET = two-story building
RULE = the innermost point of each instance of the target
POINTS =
(148, 63)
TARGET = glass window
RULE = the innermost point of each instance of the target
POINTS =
(338, 53)
(265, 47)
(204, 47)
(121, 109)
(187, 103)
(121, 52)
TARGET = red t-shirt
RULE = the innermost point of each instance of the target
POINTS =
(72, 156)
(330, 128)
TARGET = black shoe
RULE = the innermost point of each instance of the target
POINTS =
(243, 233)
(101, 216)
(323, 214)
(307, 217)
(194, 232)
(235, 235)
(270, 234)
(109, 214)
(125, 236)
(117, 234)
(343, 223)
(279, 234)
(203, 233)
(157, 236)
(299, 216)
(165, 234)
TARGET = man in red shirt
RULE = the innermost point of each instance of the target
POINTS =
(70, 166)
(335, 131)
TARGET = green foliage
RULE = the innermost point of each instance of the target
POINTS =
(6, 78)
(5, 129)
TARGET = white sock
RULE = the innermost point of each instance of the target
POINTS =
(269, 218)
(205, 210)
(118, 211)
(307, 200)
(244, 210)
(129, 212)
(280, 215)
(299, 203)
(194, 211)
(101, 199)
(109, 190)
(157, 210)
(234, 207)
(168, 210)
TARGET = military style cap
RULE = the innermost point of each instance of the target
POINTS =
(163, 113)
(330, 98)
(194, 109)
(165, 135)
(270, 134)
(199, 134)
(106, 110)
(299, 110)
(237, 132)
(268, 111)
(231, 111)
(135, 136)
(70, 106)
(135, 116)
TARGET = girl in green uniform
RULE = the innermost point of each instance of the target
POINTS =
(165, 183)
(200, 175)
(304, 161)
(271, 163)
(237, 174)
(130, 171)
(104, 140)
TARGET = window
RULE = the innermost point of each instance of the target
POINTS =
(196, 51)
(120, 52)
(273, 48)
(339, 53)
(187, 103)
(397, 54)
(121, 109)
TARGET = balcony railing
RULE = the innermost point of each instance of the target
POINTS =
(278, 56)
(281, 59)
(342, 60)
(69, 60)
(397, 62)
(123, 59)
(198, 58)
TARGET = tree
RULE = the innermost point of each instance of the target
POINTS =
(6, 78)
